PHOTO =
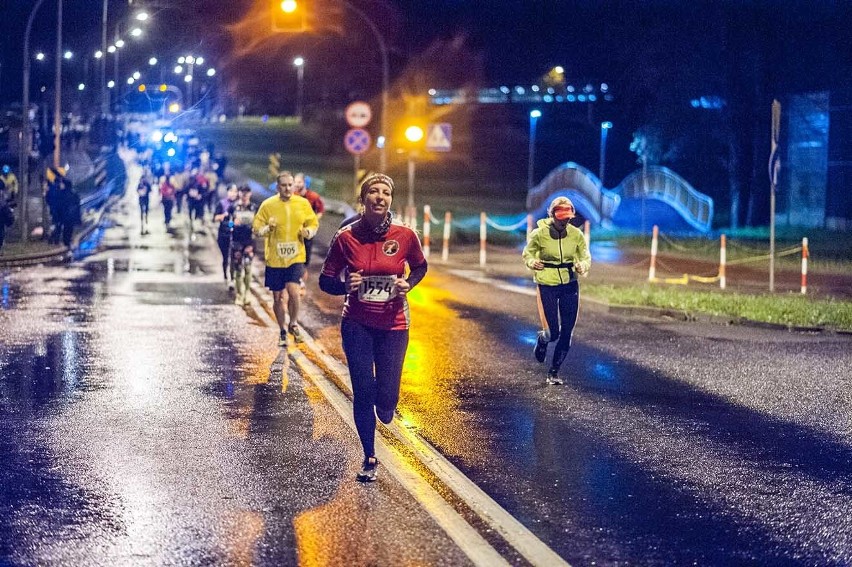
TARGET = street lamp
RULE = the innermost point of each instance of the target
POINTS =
(26, 142)
(605, 126)
(299, 62)
(535, 114)
(414, 134)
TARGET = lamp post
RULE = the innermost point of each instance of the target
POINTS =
(413, 134)
(383, 163)
(57, 101)
(299, 63)
(535, 114)
(605, 126)
(26, 142)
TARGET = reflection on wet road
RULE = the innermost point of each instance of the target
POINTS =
(669, 443)
(144, 419)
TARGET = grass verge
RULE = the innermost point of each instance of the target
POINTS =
(792, 310)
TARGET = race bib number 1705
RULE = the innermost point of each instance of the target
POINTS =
(287, 250)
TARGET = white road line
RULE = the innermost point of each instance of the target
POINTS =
(478, 277)
(514, 532)
(477, 549)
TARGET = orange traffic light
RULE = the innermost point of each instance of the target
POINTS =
(289, 15)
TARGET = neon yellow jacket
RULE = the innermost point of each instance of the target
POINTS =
(285, 245)
(556, 251)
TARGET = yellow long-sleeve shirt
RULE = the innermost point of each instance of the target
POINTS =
(284, 243)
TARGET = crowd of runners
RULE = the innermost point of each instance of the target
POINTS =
(374, 260)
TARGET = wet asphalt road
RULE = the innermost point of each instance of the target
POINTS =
(145, 419)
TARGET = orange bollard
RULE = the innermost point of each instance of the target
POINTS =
(483, 233)
(427, 229)
(445, 249)
(723, 260)
(652, 271)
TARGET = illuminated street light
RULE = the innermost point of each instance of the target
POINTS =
(67, 55)
(142, 16)
(178, 69)
(181, 60)
(299, 63)
(211, 71)
(130, 80)
(414, 134)
(199, 60)
(605, 126)
(136, 75)
(111, 84)
(136, 32)
(289, 6)
(81, 87)
(39, 56)
(99, 54)
(111, 49)
(187, 79)
(152, 61)
(190, 59)
(119, 43)
(535, 114)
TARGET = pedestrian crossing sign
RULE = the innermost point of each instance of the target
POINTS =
(439, 137)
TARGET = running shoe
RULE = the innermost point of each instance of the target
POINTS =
(553, 379)
(297, 334)
(368, 471)
(540, 350)
(239, 300)
(282, 338)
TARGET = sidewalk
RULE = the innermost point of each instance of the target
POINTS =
(37, 249)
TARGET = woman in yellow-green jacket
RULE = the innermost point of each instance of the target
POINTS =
(557, 253)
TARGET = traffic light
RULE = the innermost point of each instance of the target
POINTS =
(289, 15)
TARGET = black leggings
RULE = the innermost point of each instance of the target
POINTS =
(561, 304)
(372, 385)
(224, 243)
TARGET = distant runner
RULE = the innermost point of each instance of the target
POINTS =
(557, 253)
(285, 221)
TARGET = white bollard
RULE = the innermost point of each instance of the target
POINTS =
(427, 229)
(723, 260)
(445, 249)
(652, 271)
(805, 255)
(482, 235)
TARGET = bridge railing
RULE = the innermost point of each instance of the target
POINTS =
(664, 184)
(602, 202)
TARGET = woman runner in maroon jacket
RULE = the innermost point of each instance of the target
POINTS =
(372, 254)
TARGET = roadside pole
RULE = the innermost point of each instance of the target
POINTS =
(774, 166)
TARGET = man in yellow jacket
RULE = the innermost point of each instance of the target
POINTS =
(285, 221)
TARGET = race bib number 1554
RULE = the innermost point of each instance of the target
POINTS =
(377, 289)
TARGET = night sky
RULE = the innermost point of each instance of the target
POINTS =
(806, 42)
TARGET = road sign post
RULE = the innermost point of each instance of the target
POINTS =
(356, 141)
(439, 137)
